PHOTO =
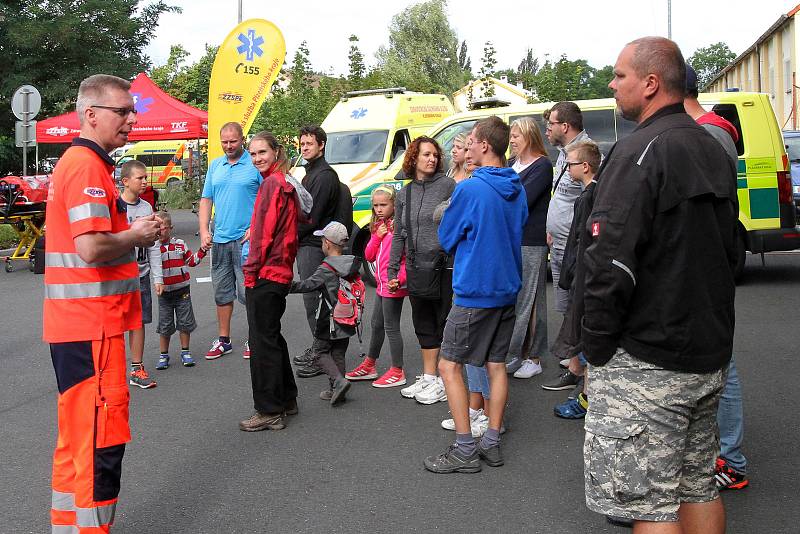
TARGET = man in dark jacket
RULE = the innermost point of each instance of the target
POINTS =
(322, 182)
(659, 304)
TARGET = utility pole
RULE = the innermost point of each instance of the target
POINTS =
(669, 17)
(240, 11)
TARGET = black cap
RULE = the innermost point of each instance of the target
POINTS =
(691, 80)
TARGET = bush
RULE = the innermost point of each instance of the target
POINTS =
(178, 197)
(8, 237)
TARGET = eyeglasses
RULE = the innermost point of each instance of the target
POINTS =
(550, 124)
(122, 112)
(571, 163)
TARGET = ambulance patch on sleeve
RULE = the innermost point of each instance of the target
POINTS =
(94, 192)
(595, 229)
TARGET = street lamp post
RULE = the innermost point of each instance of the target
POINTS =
(240, 11)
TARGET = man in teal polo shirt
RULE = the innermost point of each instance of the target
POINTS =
(231, 187)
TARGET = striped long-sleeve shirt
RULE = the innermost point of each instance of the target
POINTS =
(175, 257)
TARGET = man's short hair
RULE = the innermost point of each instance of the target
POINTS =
(94, 87)
(129, 166)
(318, 133)
(568, 112)
(587, 151)
(494, 131)
(660, 56)
(235, 126)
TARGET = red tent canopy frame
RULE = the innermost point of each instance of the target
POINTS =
(159, 117)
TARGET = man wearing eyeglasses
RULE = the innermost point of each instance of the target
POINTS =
(91, 299)
(564, 129)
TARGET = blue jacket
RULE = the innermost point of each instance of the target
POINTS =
(483, 227)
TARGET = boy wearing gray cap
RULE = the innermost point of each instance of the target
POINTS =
(331, 338)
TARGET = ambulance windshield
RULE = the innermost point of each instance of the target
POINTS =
(366, 146)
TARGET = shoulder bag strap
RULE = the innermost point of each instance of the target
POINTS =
(407, 217)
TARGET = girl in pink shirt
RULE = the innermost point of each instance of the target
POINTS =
(387, 305)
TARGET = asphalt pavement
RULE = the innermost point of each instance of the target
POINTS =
(358, 468)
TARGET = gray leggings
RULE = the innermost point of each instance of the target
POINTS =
(386, 323)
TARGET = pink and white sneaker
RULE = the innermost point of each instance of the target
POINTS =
(365, 371)
(246, 353)
(391, 378)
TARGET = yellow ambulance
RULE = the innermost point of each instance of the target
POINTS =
(163, 160)
(766, 209)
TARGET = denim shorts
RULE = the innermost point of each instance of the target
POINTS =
(226, 272)
(175, 312)
(478, 380)
(477, 335)
(147, 299)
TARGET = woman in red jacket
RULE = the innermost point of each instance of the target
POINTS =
(267, 277)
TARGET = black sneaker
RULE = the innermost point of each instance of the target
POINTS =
(492, 456)
(303, 359)
(308, 371)
(339, 390)
(453, 462)
(619, 521)
(566, 380)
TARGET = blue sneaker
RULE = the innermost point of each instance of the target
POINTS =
(572, 408)
(163, 362)
(186, 358)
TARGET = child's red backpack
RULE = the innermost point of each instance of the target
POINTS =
(349, 306)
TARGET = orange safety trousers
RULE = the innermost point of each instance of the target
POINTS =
(92, 432)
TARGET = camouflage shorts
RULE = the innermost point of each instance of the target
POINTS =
(651, 438)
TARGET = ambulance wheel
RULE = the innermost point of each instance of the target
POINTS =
(9, 267)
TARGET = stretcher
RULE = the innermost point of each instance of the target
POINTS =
(23, 209)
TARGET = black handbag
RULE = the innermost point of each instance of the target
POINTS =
(423, 269)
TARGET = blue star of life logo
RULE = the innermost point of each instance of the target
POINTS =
(359, 113)
(251, 45)
(141, 105)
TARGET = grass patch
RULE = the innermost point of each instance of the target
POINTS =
(177, 198)
(8, 237)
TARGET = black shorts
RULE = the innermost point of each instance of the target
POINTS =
(478, 335)
(175, 307)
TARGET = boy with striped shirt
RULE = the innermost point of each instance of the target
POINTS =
(175, 302)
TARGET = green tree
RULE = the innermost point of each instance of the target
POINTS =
(166, 74)
(422, 53)
(570, 80)
(191, 84)
(464, 60)
(54, 45)
(488, 63)
(357, 69)
(709, 61)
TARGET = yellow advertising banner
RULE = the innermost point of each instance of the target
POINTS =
(246, 66)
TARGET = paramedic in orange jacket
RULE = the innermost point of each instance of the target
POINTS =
(91, 299)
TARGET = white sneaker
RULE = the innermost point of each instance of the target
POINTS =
(528, 369)
(432, 393)
(416, 387)
(450, 424)
(481, 425)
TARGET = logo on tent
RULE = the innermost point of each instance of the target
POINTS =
(251, 45)
(141, 105)
(58, 131)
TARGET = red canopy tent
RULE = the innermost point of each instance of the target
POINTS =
(159, 117)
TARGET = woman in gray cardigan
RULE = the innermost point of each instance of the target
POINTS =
(415, 205)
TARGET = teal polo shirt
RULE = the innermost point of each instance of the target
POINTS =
(232, 187)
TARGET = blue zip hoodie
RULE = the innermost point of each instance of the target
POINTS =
(483, 227)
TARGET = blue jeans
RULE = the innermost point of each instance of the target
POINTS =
(478, 380)
(730, 419)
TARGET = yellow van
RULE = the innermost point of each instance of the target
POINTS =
(766, 208)
(163, 159)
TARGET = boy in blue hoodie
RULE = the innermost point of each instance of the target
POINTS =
(483, 228)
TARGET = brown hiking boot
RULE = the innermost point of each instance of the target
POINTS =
(262, 421)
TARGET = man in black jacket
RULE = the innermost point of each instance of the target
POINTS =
(322, 182)
(659, 305)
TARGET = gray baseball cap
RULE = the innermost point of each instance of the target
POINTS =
(335, 232)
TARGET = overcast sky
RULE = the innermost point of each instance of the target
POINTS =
(594, 30)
